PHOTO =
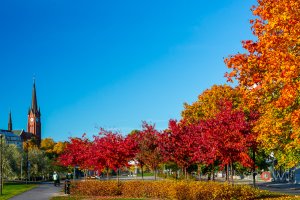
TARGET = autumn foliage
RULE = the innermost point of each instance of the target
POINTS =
(180, 190)
(76, 153)
(110, 150)
(206, 106)
(146, 146)
(225, 124)
(229, 135)
(268, 74)
(224, 139)
(178, 144)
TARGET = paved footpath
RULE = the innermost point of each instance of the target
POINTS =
(286, 188)
(43, 191)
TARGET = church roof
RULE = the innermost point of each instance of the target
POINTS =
(9, 122)
(8, 133)
(9, 118)
(34, 105)
(17, 132)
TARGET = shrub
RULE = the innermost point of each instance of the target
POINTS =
(95, 188)
(145, 189)
(180, 190)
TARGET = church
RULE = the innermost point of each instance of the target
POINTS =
(34, 125)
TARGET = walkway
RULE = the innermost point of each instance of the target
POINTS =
(286, 188)
(43, 191)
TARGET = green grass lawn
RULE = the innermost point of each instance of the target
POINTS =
(146, 174)
(13, 189)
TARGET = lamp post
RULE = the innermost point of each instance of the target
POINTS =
(21, 168)
(1, 166)
(254, 171)
(27, 163)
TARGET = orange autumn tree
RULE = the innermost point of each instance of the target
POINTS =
(269, 75)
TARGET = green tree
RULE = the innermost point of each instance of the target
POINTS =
(40, 164)
(12, 158)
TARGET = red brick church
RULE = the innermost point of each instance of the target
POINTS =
(34, 125)
(34, 117)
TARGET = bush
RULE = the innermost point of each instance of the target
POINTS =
(181, 190)
(95, 188)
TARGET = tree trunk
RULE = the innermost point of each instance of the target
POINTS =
(155, 173)
(199, 171)
(213, 174)
(107, 173)
(227, 173)
(231, 168)
(142, 171)
(118, 174)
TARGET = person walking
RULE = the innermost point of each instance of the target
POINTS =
(58, 179)
(69, 176)
(55, 178)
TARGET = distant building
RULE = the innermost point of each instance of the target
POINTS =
(34, 125)
(11, 138)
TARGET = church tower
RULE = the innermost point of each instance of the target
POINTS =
(34, 117)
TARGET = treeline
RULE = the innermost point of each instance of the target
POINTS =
(245, 126)
(31, 163)
(218, 137)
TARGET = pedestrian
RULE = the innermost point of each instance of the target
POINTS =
(58, 179)
(55, 178)
(69, 176)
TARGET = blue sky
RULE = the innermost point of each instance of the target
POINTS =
(112, 64)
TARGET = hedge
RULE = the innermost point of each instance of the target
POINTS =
(181, 190)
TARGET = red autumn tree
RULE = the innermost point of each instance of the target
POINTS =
(225, 137)
(231, 133)
(139, 148)
(149, 151)
(76, 153)
(111, 151)
(205, 150)
(177, 144)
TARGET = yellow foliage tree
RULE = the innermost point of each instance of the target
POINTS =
(47, 145)
(59, 148)
(207, 104)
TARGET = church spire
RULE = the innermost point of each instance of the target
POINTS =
(9, 122)
(34, 125)
(34, 105)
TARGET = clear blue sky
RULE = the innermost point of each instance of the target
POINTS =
(113, 63)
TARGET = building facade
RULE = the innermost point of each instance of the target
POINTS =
(11, 138)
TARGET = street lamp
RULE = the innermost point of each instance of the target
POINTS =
(21, 168)
(27, 163)
(1, 166)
